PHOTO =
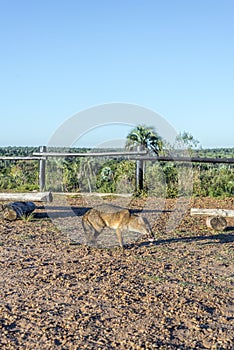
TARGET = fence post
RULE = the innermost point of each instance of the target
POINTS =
(139, 172)
(42, 168)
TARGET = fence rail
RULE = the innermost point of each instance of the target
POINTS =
(187, 159)
(89, 154)
(22, 158)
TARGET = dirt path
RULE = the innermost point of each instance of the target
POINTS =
(174, 294)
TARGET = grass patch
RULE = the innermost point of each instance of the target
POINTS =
(27, 218)
(154, 278)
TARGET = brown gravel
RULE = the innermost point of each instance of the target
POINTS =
(174, 294)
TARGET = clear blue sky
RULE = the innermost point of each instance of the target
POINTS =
(173, 56)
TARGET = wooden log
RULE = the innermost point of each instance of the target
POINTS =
(216, 223)
(25, 197)
(212, 212)
(15, 210)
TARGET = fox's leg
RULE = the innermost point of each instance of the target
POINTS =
(89, 231)
(93, 225)
(99, 231)
(120, 237)
(97, 223)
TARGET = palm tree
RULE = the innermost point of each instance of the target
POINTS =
(143, 138)
(146, 138)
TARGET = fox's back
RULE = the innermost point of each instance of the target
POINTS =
(113, 216)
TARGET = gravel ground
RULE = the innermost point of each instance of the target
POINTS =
(174, 294)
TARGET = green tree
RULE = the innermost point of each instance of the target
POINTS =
(186, 140)
(143, 138)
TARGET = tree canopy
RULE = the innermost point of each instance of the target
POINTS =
(146, 137)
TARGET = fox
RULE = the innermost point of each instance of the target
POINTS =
(120, 219)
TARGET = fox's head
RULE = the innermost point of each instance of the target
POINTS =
(140, 224)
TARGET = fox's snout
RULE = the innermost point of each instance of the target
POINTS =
(137, 223)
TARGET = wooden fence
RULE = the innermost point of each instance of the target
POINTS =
(43, 155)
